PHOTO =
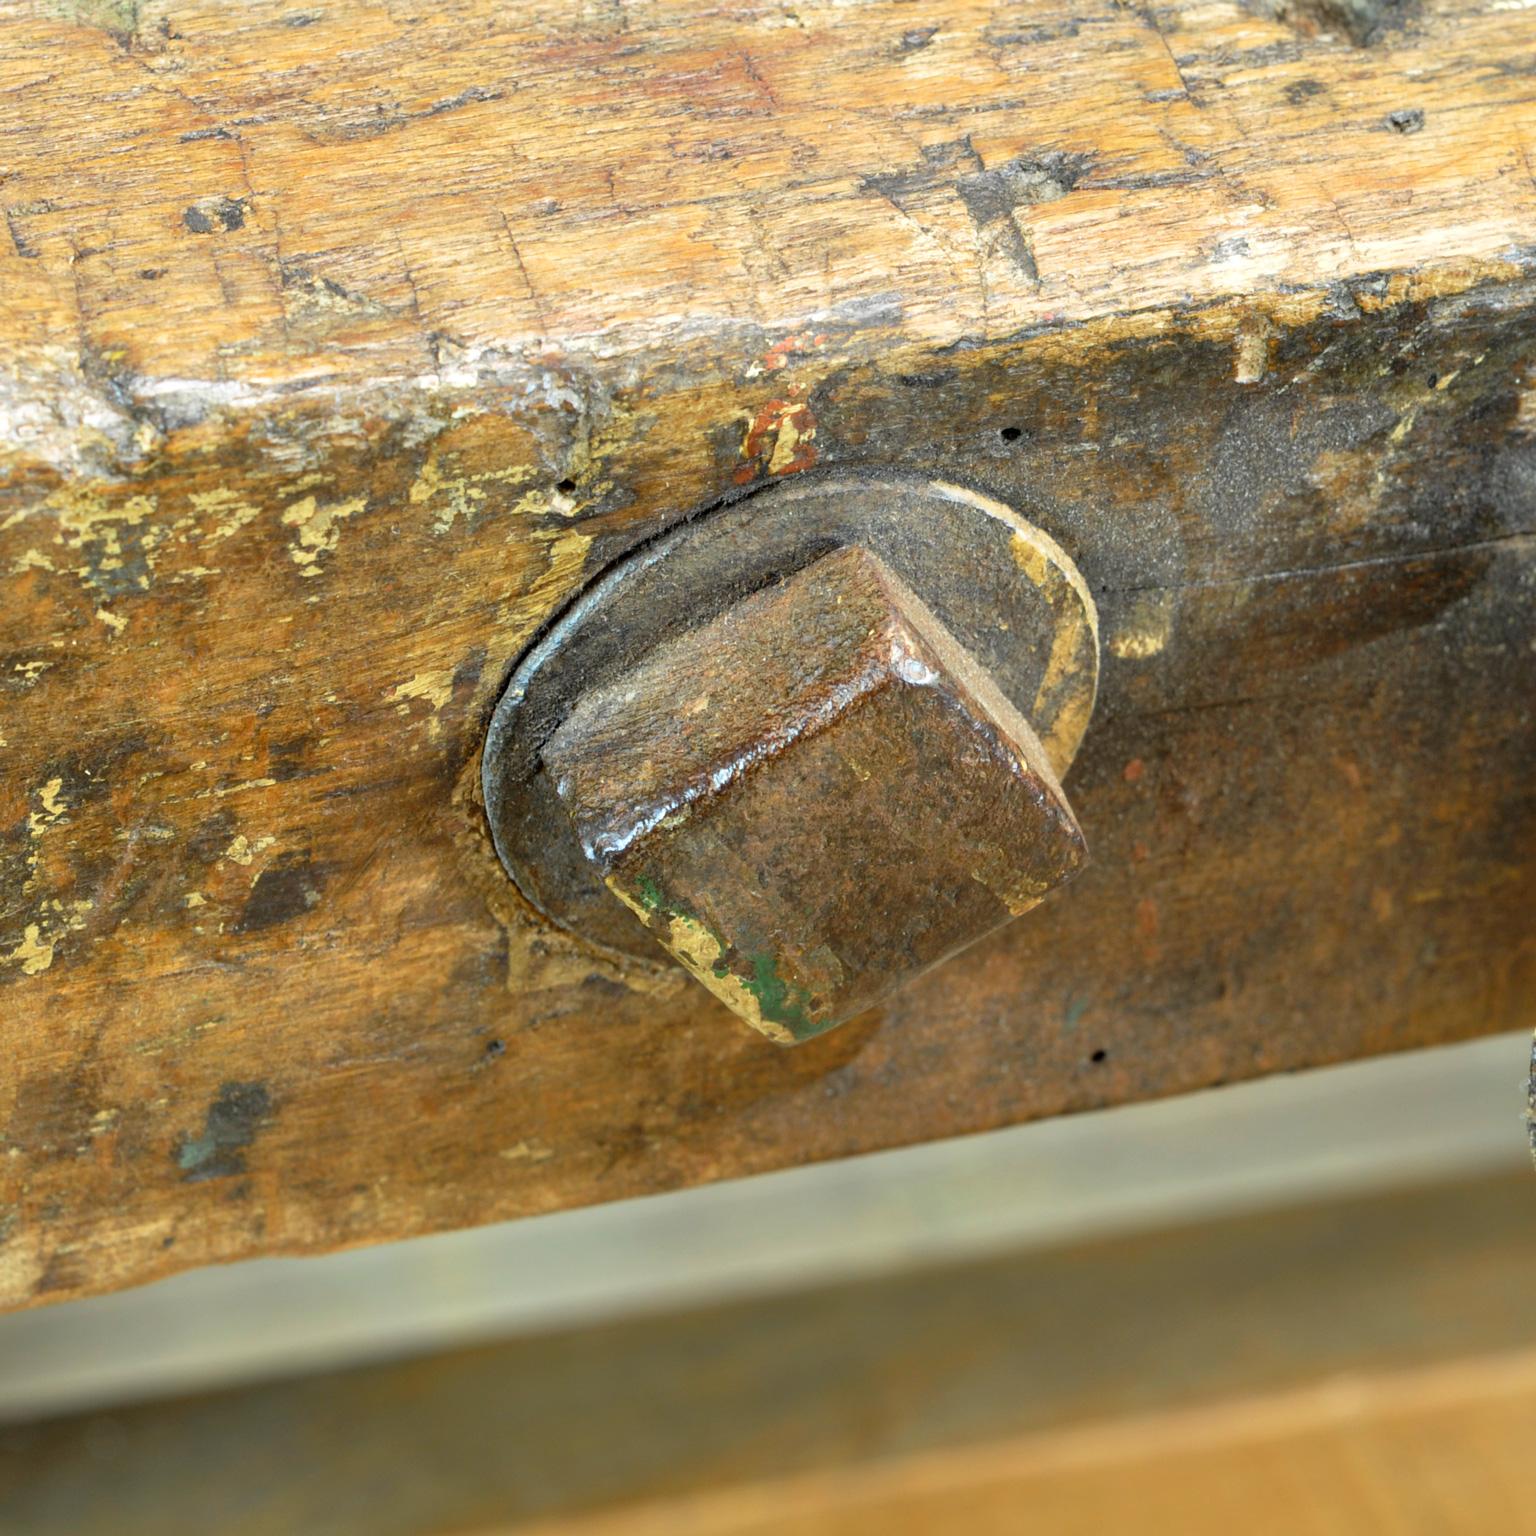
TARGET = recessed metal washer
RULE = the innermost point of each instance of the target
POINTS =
(1003, 587)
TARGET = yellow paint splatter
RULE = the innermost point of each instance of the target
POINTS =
(566, 554)
(30, 671)
(231, 789)
(700, 952)
(86, 521)
(230, 513)
(1145, 629)
(317, 529)
(50, 808)
(40, 940)
(460, 495)
(241, 851)
(34, 954)
(435, 687)
(427, 484)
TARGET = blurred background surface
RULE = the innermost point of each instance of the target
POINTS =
(1263, 1301)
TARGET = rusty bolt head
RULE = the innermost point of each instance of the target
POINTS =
(814, 797)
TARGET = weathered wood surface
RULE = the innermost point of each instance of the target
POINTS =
(339, 341)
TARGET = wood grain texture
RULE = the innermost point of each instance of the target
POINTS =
(340, 342)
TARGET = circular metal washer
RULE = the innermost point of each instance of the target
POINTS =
(1004, 588)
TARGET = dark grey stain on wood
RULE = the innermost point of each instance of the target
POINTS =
(231, 1124)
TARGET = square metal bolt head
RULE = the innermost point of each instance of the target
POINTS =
(814, 797)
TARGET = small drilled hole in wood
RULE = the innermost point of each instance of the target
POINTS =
(1011, 434)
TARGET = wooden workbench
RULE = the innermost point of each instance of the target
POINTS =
(341, 342)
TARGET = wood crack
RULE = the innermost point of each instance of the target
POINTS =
(1339, 568)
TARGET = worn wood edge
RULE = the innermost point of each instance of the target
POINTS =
(115, 436)
(1186, 104)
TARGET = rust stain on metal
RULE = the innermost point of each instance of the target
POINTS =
(814, 797)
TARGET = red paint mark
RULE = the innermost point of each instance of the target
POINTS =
(1134, 770)
(1140, 853)
(780, 352)
(780, 440)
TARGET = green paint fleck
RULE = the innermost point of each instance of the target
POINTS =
(778, 1001)
(1076, 1008)
(649, 894)
(781, 1002)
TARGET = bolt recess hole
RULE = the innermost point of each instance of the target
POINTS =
(1099, 1057)
(565, 487)
(1011, 434)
